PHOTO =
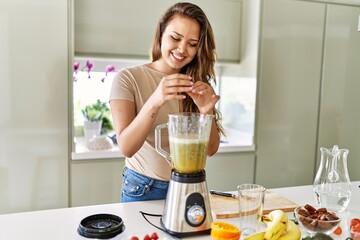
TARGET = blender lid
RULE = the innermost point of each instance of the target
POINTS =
(101, 226)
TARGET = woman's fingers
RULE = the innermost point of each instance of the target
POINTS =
(202, 88)
(174, 87)
(178, 77)
(178, 80)
(204, 97)
(177, 83)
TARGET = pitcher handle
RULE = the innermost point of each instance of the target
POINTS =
(158, 147)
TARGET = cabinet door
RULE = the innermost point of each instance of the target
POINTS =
(123, 29)
(96, 181)
(288, 92)
(34, 105)
(340, 111)
(225, 171)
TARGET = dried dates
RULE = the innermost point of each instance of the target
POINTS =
(317, 220)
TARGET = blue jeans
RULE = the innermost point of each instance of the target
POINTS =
(138, 187)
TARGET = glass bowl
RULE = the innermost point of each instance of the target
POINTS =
(316, 220)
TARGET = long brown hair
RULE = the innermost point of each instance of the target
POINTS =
(201, 68)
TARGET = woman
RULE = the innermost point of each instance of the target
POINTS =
(176, 80)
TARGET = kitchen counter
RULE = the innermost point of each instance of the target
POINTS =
(62, 223)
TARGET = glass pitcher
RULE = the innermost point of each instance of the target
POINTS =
(332, 187)
(188, 138)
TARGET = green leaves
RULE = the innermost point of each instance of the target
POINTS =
(96, 112)
(92, 113)
(318, 236)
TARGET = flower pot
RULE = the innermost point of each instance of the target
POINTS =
(92, 129)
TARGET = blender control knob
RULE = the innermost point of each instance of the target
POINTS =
(195, 215)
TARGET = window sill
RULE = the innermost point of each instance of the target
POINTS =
(236, 141)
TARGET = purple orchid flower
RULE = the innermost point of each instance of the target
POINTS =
(109, 68)
(89, 66)
(76, 69)
(76, 66)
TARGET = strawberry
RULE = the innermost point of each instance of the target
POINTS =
(154, 236)
(147, 237)
(354, 222)
(338, 231)
(355, 228)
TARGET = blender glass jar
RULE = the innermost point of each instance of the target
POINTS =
(188, 137)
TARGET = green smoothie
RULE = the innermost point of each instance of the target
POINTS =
(188, 155)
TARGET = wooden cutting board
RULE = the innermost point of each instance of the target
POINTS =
(227, 207)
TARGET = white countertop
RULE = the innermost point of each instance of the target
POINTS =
(61, 224)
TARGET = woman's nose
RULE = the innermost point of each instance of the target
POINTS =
(181, 47)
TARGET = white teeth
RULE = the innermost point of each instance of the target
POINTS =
(178, 57)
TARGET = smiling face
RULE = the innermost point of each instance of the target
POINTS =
(179, 43)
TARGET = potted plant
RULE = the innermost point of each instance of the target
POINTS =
(96, 119)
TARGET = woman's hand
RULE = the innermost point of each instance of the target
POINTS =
(204, 97)
(172, 87)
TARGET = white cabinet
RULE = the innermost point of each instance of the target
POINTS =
(34, 105)
(225, 171)
(288, 92)
(340, 111)
(96, 181)
(308, 89)
(121, 28)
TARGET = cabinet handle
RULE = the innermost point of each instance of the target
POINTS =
(359, 24)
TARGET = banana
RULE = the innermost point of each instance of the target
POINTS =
(276, 222)
(292, 232)
(278, 228)
(256, 236)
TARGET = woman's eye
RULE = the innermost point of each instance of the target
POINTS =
(175, 39)
(179, 39)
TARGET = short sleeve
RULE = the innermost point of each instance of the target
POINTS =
(123, 86)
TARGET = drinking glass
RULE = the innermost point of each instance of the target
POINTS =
(251, 203)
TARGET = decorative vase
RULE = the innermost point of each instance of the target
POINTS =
(92, 129)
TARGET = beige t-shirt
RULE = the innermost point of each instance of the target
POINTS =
(136, 84)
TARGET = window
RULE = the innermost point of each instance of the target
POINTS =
(237, 103)
(86, 91)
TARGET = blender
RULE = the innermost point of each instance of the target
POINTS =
(187, 206)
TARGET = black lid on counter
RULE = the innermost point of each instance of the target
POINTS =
(101, 226)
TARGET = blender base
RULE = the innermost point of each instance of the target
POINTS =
(187, 207)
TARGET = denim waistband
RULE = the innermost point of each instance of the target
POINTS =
(145, 179)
